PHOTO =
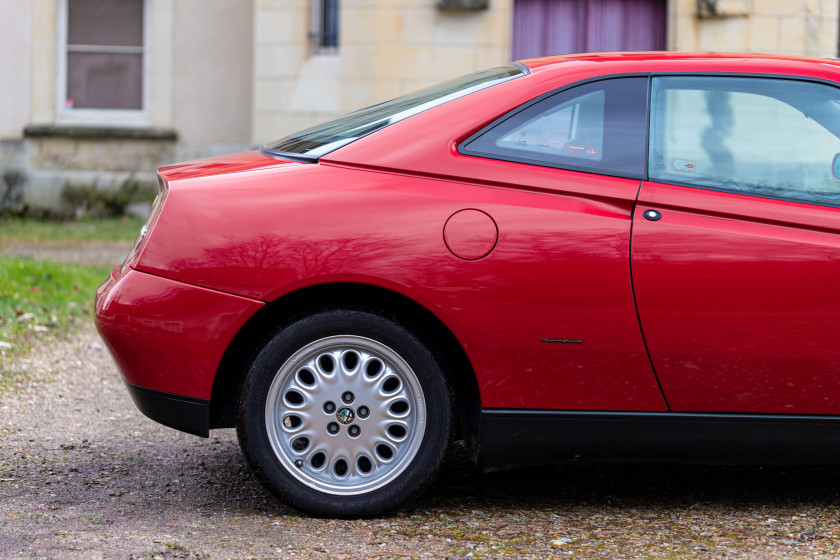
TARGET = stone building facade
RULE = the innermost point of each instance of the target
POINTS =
(214, 76)
(795, 27)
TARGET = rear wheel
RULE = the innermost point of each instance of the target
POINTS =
(344, 413)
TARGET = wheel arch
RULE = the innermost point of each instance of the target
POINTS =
(291, 307)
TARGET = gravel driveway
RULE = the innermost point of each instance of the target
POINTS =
(84, 475)
(101, 253)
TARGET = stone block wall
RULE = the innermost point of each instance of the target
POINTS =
(49, 163)
(795, 27)
(386, 48)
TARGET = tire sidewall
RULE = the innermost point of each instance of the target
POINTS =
(251, 424)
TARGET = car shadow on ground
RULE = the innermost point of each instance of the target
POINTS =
(214, 478)
(672, 486)
(211, 477)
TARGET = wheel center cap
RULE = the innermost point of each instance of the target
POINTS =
(345, 415)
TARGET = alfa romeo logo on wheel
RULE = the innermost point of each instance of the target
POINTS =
(345, 415)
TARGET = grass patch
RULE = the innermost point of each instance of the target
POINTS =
(43, 299)
(105, 229)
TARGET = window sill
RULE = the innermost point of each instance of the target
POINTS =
(100, 132)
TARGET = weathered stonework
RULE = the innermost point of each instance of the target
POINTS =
(387, 48)
(796, 27)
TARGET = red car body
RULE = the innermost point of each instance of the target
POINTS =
(573, 326)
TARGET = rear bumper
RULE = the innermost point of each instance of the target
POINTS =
(187, 414)
(168, 339)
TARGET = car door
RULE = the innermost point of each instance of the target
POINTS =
(736, 245)
(562, 330)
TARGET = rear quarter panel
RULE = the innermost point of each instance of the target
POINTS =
(560, 268)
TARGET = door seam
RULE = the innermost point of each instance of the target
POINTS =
(635, 303)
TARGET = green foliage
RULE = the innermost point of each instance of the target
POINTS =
(43, 298)
(90, 200)
(11, 189)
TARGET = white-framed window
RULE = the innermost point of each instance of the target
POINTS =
(324, 27)
(103, 62)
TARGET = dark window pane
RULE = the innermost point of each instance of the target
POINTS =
(104, 81)
(105, 22)
(601, 126)
(329, 23)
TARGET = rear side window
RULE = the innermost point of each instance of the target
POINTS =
(312, 143)
(761, 136)
(599, 126)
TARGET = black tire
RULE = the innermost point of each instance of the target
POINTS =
(284, 419)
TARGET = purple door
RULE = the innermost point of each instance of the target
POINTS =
(546, 27)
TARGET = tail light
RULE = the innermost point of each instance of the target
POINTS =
(146, 231)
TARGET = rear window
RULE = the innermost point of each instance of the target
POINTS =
(599, 127)
(312, 143)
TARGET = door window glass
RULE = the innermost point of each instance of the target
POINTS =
(598, 126)
(762, 136)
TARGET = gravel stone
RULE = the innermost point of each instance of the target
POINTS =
(84, 475)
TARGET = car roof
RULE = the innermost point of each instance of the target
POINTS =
(619, 62)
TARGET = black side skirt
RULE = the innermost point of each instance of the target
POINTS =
(187, 414)
(519, 438)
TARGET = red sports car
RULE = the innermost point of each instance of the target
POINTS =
(624, 256)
